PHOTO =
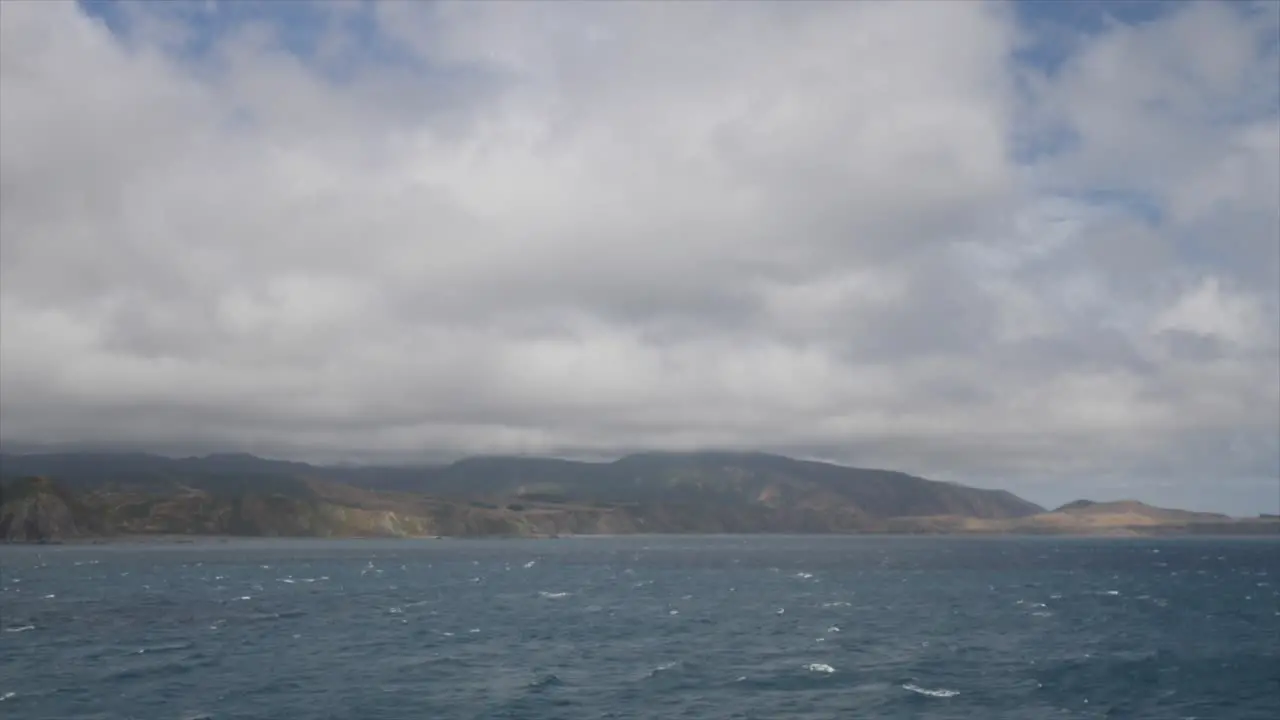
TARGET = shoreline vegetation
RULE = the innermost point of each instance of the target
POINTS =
(85, 498)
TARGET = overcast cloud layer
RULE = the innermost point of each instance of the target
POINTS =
(1009, 246)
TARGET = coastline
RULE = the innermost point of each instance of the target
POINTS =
(1268, 530)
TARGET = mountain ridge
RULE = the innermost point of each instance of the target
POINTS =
(638, 478)
(104, 494)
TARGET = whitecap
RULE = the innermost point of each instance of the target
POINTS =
(663, 668)
(8, 696)
(940, 692)
(168, 647)
(553, 595)
(530, 564)
(819, 668)
(20, 628)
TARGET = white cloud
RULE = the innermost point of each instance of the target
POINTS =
(1210, 311)
(596, 227)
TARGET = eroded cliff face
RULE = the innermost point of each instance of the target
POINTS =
(37, 510)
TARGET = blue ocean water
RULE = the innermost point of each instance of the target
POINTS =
(643, 627)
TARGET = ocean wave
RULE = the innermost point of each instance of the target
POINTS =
(546, 681)
(618, 650)
(938, 693)
(174, 666)
(164, 648)
(664, 667)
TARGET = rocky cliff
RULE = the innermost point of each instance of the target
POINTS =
(35, 509)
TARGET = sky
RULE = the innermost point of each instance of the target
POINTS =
(1029, 246)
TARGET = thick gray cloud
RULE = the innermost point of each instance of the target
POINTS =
(866, 232)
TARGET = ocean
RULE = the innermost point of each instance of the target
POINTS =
(643, 627)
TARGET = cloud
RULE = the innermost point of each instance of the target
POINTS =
(880, 233)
